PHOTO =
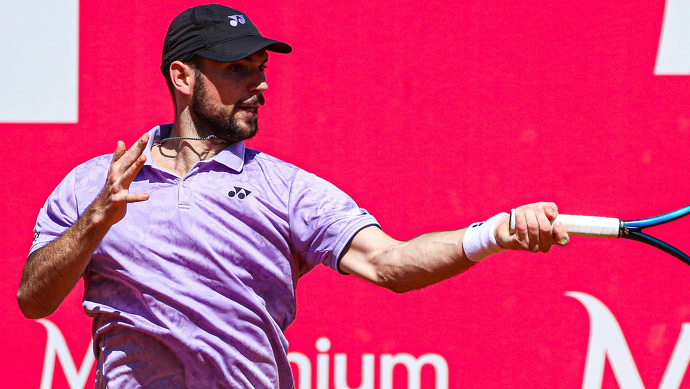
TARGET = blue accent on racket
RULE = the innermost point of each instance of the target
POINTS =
(633, 230)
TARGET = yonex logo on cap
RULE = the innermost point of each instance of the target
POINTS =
(235, 19)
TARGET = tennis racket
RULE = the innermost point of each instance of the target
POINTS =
(609, 227)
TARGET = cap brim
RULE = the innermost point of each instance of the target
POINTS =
(237, 49)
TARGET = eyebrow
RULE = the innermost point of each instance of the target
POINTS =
(248, 58)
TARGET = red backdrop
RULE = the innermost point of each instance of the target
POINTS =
(431, 116)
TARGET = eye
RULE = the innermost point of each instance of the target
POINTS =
(236, 68)
(263, 67)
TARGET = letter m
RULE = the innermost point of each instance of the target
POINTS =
(673, 57)
(606, 341)
(56, 346)
(414, 369)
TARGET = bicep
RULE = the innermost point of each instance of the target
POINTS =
(362, 255)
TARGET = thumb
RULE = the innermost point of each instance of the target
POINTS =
(502, 233)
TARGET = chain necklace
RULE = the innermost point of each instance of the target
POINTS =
(190, 138)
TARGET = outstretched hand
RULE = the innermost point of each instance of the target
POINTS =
(111, 204)
(535, 229)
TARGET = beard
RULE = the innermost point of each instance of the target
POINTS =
(210, 119)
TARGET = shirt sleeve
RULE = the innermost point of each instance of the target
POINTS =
(323, 220)
(58, 213)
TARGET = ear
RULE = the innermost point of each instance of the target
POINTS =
(182, 77)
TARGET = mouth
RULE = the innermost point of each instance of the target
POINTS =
(251, 109)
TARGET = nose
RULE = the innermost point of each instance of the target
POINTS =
(259, 85)
(261, 88)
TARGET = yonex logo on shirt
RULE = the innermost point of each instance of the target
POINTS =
(235, 19)
(239, 192)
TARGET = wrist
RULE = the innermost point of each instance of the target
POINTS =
(479, 240)
(95, 220)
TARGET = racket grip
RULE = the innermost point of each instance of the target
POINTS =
(578, 225)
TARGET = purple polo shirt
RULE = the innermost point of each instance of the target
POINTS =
(194, 287)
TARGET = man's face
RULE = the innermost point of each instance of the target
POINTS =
(227, 96)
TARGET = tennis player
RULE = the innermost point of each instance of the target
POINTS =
(190, 244)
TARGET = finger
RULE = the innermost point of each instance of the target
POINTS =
(132, 155)
(124, 196)
(521, 232)
(132, 171)
(119, 151)
(545, 230)
(560, 234)
(532, 229)
(136, 197)
(551, 210)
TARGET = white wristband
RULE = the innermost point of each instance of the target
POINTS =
(479, 240)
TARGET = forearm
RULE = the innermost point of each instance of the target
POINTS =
(51, 272)
(419, 262)
(402, 266)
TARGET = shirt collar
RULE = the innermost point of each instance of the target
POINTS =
(231, 156)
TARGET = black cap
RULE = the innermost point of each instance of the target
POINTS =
(215, 32)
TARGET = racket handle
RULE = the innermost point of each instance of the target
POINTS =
(578, 225)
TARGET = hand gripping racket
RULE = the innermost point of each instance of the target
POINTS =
(608, 227)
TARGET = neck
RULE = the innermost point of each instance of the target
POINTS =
(185, 146)
(187, 133)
